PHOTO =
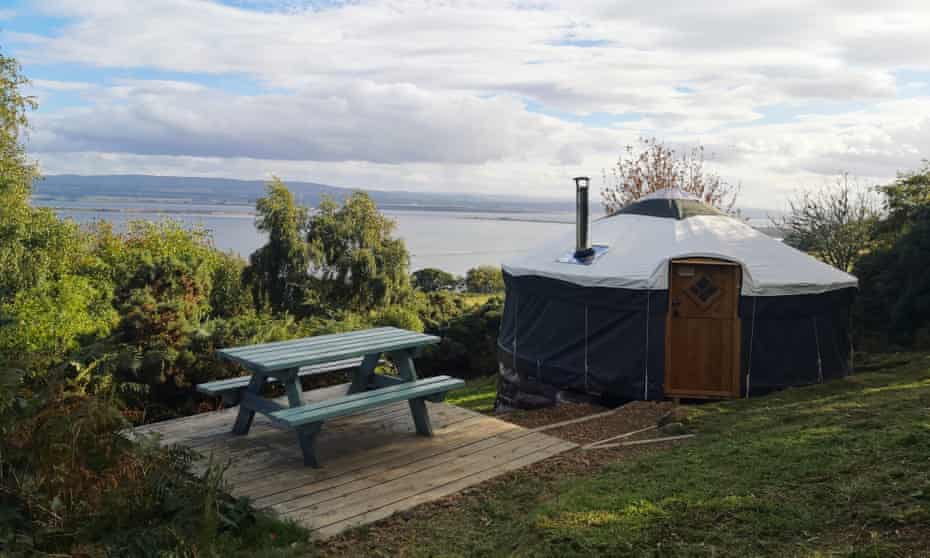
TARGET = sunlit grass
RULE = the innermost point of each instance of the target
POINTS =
(840, 469)
(477, 395)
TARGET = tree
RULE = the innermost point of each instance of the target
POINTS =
(356, 263)
(16, 173)
(893, 305)
(44, 307)
(484, 279)
(907, 196)
(34, 245)
(653, 166)
(833, 223)
(430, 279)
(50, 319)
(277, 272)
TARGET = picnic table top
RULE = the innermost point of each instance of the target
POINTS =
(270, 357)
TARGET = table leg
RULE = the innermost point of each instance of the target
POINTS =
(420, 417)
(295, 392)
(246, 414)
(404, 362)
(408, 372)
(306, 435)
(363, 373)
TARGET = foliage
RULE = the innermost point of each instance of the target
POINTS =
(833, 223)
(277, 271)
(893, 306)
(469, 344)
(35, 246)
(903, 200)
(654, 166)
(356, 262)
(178, 300)
(894, 297)
(837, 469)
(72, 483)
(44, 307)
(16, 173)
(398, 316)
(484, 279)
(90, 320)
(229, 296)
(430, 279)
(437, 309)
(51, 319)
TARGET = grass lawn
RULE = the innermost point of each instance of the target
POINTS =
(477, 395)
(840, 469)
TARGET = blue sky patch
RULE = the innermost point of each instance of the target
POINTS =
(581, 43)
(593, 120)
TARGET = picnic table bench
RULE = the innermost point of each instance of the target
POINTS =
(361, 351)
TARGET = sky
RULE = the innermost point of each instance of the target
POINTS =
(501, 97)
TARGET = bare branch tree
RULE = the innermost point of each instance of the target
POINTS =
(653, 166)
(833, 223)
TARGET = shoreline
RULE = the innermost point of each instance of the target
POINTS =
(247, 212)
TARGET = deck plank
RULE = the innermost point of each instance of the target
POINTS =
(373, 463)
(442, 491)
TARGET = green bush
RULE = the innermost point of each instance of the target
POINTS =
(230, 296)
(438, 309)
(893, 306)
(469, 344)
(430, 279)
(894, 287)
(73, 483)
(484, 279)
(51, 319)
(398, 316)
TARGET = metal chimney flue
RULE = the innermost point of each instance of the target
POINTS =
(583, 248)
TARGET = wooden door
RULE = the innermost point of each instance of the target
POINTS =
(702, 339)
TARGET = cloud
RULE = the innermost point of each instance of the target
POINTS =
(415, 93)
(389, 124)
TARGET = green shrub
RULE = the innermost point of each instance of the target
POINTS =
(398, 316)
(49, 320)
(469, 344)
(230, 296)
(73, 483)
(438, 309)
(484, 279)
(430, 279)
(894, 283)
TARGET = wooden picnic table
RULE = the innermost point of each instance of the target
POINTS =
(287, 361)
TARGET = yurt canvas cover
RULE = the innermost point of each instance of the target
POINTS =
(600, 327)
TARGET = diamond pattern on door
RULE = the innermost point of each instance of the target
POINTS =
(703, 290)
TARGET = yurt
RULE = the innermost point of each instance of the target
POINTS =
(671, 298)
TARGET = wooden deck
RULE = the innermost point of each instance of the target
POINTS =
(373, 464)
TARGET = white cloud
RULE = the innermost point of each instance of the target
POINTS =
(364, 121)
(424, 94)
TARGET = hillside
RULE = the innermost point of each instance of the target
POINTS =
(838, 469)
(245, 192)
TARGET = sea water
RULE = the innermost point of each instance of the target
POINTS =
(451, 240)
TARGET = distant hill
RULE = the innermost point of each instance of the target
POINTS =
(231, 191)
(244, 192)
